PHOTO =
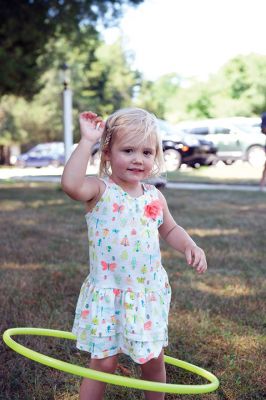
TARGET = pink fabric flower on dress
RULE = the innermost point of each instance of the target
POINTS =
(153, 209)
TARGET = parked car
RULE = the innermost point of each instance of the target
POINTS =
(43, 155)
(47, 154)
(236, 138)
(181, 148)
(158, 181)
(247, 123)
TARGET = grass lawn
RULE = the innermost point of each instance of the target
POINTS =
(237, 173)
(217, 321)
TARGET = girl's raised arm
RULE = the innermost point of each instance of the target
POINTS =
(74, 181)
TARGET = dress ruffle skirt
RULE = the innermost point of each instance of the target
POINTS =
(109, 321)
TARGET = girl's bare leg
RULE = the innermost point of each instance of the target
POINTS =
(154, 370)
(94, 390)
(263, 178)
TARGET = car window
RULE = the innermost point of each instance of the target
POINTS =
(44, 149)
(165, 127)
(200, 130)
(249, 128)
(221, 129)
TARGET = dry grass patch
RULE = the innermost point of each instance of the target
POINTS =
(217, 321)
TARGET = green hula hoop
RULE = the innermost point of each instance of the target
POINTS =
(105, 377)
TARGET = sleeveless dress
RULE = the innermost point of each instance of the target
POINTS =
(124, 302)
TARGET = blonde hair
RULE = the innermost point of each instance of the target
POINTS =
(137, 123)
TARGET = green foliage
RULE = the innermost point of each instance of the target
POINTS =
(238, 88)
(101, 80)
(109, 83)
(10, 130)
(155, 96)
(26, 27)
(34, 121)
(200, 103)
(244, 83)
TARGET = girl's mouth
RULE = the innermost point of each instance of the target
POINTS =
(135, 170)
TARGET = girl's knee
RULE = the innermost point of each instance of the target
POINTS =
(107, 364)
(155, 364)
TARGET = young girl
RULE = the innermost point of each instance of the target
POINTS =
(124, 302)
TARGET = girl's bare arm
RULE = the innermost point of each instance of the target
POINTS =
(74, 181)
(180, 240)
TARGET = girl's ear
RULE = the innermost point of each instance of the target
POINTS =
(106, 155)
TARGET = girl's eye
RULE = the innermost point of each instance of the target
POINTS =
(127, 150)
(147, 153)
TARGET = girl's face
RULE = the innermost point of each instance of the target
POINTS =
(131, 160)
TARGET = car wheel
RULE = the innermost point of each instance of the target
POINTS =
(229, 162)
(55, 163)
(172, 159)
(196, 165)
(256, 156)
(21, 164)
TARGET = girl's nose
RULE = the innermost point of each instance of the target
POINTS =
(138, 158)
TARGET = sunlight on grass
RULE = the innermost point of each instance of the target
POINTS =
(66, 396)
(238, 173)
(246, 343)
(214, 232)
(45, 203)
(21, 267)
(12, 205)
(169, 254)
(216, 320)
(229, 291)
(29, 222)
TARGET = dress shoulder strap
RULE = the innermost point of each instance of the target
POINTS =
(148, 186)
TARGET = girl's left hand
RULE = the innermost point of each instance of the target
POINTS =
(91, 126)
(195, 257)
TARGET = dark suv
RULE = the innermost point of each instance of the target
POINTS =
(181, 148)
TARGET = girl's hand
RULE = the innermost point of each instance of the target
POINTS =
(91, 126)
(195, 257)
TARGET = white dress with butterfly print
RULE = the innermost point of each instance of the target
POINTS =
(124, 302)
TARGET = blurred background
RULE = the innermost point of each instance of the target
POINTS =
(200, 67)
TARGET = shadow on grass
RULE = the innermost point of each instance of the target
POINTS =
(215, 320)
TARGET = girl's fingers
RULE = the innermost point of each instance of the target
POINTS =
(202, 265)
(88, 115)
(99, 123)
(199, 261)
(200, 268)
(92, 118)
(196, 259)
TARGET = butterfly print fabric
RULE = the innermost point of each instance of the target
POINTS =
(124, 302)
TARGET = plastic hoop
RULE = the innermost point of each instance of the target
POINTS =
(102, 376)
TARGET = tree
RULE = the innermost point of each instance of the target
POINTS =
(109, 82)
(102, 80)
(27, 25)
(155, 96)
(237, 89)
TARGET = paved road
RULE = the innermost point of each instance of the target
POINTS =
(52, 174)
(211, 186)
